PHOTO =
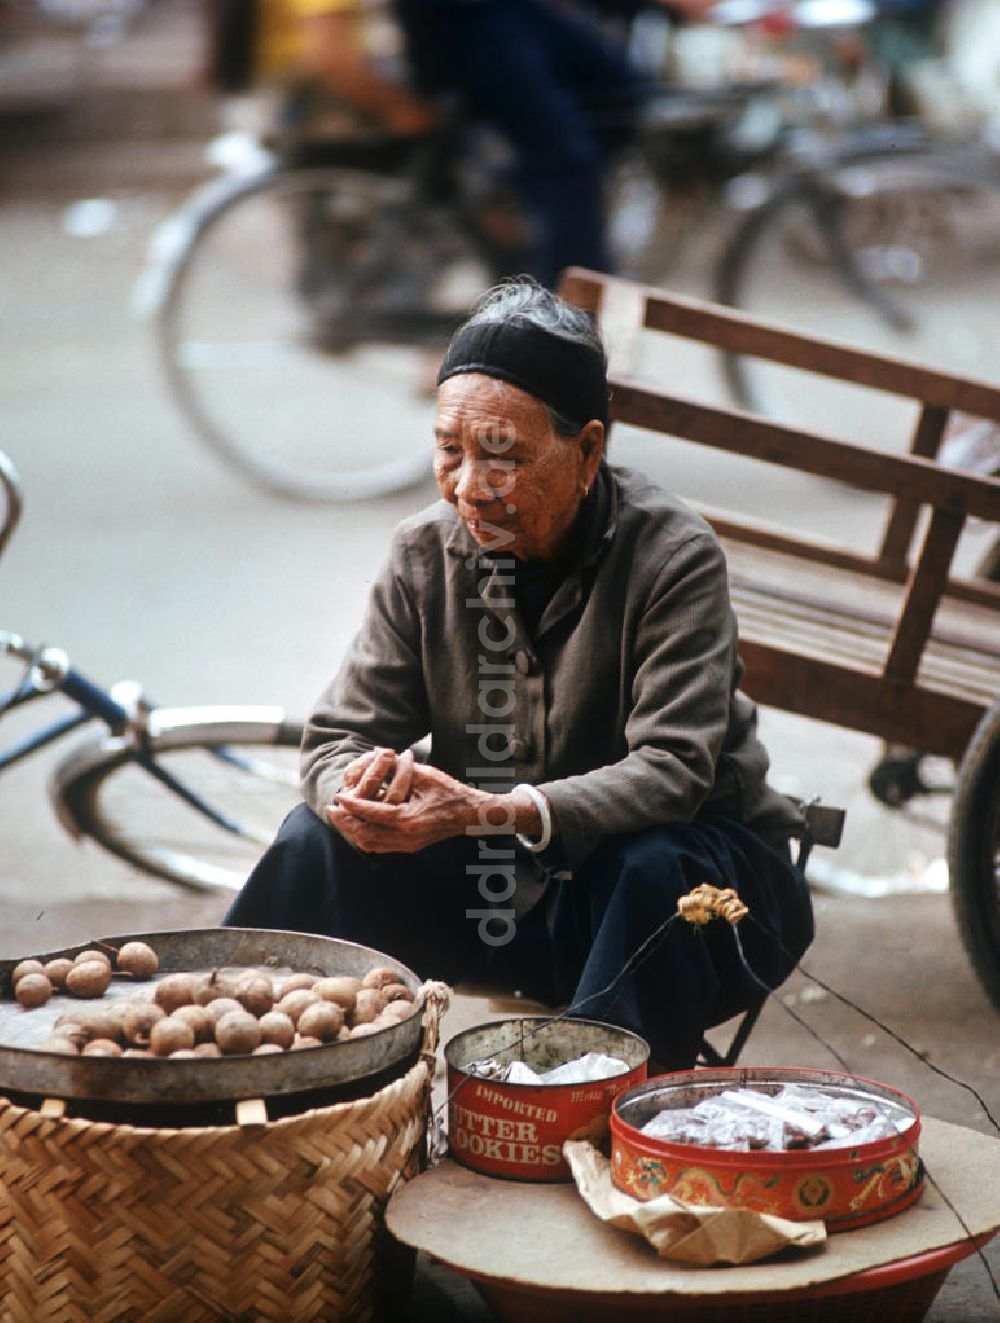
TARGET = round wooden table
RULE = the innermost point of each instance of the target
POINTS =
(537, 1253)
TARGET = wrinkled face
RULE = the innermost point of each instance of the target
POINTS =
(515, 482)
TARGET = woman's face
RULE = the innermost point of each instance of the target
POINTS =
(515, 482)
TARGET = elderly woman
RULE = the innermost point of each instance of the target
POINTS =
(561, 630)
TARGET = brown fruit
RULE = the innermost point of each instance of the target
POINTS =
(340, 988)
(396, 1011)
(138, 1019)
(367, 1005)
(60, 1043)
(294, 1003)
(56, 970)
(170, 1035)
(255, 993)
(222, 1006)
(267, 1050)
(25, 967)
(189, 1052)
(344, 1034)
(102, 1047)
(301, 1041)
(68, 1027)
(363, 1030)
(237, 1033)
(209, 988)
(396, 992)
(200, 1020)
(93, 1022)
(297, 982)
(207, 1050)
(323, 1021)
(33, 990)
(88, 978)
(173, 991)
(137, 1052)
(379, 978)
(138, 959)
(277, 1028)
(92, 953)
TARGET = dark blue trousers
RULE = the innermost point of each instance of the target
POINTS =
(562, 95)
(573, 945)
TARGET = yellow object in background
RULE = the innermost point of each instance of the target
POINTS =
(280, 40)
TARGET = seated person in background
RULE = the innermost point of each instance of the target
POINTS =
(562, 94)
(328, 46)
(562, 631)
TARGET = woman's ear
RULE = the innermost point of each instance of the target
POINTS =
(591, 443)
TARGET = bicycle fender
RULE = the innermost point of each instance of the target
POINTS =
(166, 728)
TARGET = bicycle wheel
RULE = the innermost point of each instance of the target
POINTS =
(897, 255)
(240, 762)
(974, 852)
(302, 322)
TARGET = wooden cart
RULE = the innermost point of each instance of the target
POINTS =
(893, 644)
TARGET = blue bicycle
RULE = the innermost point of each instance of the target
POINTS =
(191, 795)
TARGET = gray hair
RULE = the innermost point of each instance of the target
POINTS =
(523, 299)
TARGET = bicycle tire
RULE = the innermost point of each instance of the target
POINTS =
(917, 274)
(102, 791)
(974, 852)
(298, 323)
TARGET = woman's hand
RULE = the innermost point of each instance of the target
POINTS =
(434, 807)
(390, 804)
(380, 774)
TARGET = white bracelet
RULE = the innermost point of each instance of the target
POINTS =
(542, 804)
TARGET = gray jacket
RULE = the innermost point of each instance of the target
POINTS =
(624, 708)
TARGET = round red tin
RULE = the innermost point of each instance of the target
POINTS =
(517, 1130)
(846, 1186)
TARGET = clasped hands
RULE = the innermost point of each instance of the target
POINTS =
(389, 803)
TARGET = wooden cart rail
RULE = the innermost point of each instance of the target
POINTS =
(892, 644)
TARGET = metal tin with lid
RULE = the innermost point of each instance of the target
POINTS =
(517, 1130)
(846, 1186)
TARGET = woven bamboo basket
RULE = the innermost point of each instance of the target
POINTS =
(278, 1220)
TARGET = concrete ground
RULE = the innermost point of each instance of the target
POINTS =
(142, 558)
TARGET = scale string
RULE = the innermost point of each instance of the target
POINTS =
(638, 957)
(771, 994)
(846, 1001)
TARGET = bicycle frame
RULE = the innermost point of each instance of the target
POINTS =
(48, 673)
(127, 720)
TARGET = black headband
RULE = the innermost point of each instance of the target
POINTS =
(567, 376)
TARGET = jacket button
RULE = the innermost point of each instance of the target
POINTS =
(524, 662)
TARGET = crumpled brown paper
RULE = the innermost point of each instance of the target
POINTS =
(686, 1233)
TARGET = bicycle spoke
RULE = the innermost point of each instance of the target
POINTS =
(262, 768)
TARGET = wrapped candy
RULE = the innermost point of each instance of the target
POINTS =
(793, 1118)
(581, 1070)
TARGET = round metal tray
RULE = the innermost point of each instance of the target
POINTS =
(26, 1070)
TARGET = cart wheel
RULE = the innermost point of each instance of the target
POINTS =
(974, 852)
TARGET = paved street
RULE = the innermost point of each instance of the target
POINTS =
(145, 560)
